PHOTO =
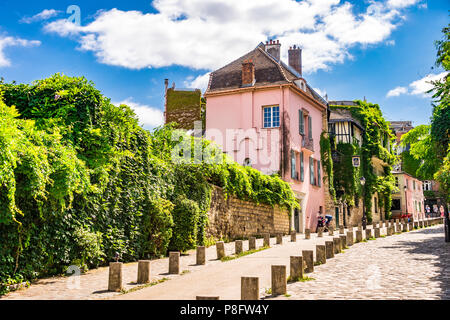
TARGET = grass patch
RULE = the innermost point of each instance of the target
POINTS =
(372, 238)
(151, 284)
(298, 279)
(185, 272)
(269, 291)
(242, 254)
(317, 263)
(382, 236)
(287, 295)
(364, 240)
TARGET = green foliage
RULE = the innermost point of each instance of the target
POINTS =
(377, 142)
(409, 163)
(327, 160)
(422, 149)
(185, 216)
(346, 176)
(80, 181)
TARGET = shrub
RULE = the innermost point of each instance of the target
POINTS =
(185, 215)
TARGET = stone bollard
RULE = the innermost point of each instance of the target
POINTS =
(341, 230)
(404, 227)
(279, 238)
(279, 283)
(411, 226)
(115, 276)
(349, 238)
(329, 245)
(252, 243)
(377, 232)
(337, 245)
(266, 240)
(308, 258)
(307, 234)
(374, 225)
(360, 228)
(174, 262)
(293, 236)
(343, 241)
(201, 255)
(350, 228)
(143, 275)
(321, 254)
(220, 246)
(297, 268)
(207, 298)
(358, 236)
(249, 288)
(331, 231)
(320, 232)
(238, 246)
(368, 233)
(389, 231)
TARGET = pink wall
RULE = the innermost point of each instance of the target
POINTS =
(235, 121)
(412, 196)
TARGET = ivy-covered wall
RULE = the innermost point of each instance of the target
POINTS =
(184, 107)
(377, 142)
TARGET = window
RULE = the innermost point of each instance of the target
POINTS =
(301, 122)
(375, 202)
(396, 182)
(310, 127)
(414, 184)
(318, 174)
(272, 117)
(427, 186)
(311, 171)
(247, 162)
(302, 168)
(293, 165)
(406, 184)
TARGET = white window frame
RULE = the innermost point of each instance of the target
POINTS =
(271, 126)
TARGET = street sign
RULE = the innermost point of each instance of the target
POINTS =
(356, 160)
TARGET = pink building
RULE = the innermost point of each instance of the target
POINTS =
(409, 200)
(265, 115)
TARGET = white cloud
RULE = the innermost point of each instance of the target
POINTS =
(421, 86)
(149, 117)
(43, 15)
(201, 82)
(418, 87)
(11, 42)
(397, 92)
(209, 34)
(402, 3)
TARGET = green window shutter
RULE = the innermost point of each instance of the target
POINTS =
(318, 174)
(311, 170)
(301, 122)
(302, 168)
(310, 127)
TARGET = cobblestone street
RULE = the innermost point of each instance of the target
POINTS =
(413, 265)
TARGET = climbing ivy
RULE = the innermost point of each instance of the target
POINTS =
(377, 142)
(80, 181)
(325, 152)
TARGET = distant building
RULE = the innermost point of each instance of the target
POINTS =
(183, 106)
(409, 200)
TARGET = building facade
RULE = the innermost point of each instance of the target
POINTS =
(263, 114)
(409, 199)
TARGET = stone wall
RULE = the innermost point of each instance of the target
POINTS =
(233, 218)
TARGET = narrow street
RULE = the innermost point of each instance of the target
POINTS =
(412, 265)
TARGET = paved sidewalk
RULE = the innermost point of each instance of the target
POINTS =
(94, 283)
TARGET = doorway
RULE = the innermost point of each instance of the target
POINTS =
(297, 220)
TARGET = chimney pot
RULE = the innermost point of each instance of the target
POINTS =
(295, 59)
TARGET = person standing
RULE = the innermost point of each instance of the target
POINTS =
(428, 210)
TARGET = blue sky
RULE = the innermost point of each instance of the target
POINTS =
(381, 50)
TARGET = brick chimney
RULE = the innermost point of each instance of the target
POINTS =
(248, 73)
(273, 47)
(295, 58)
